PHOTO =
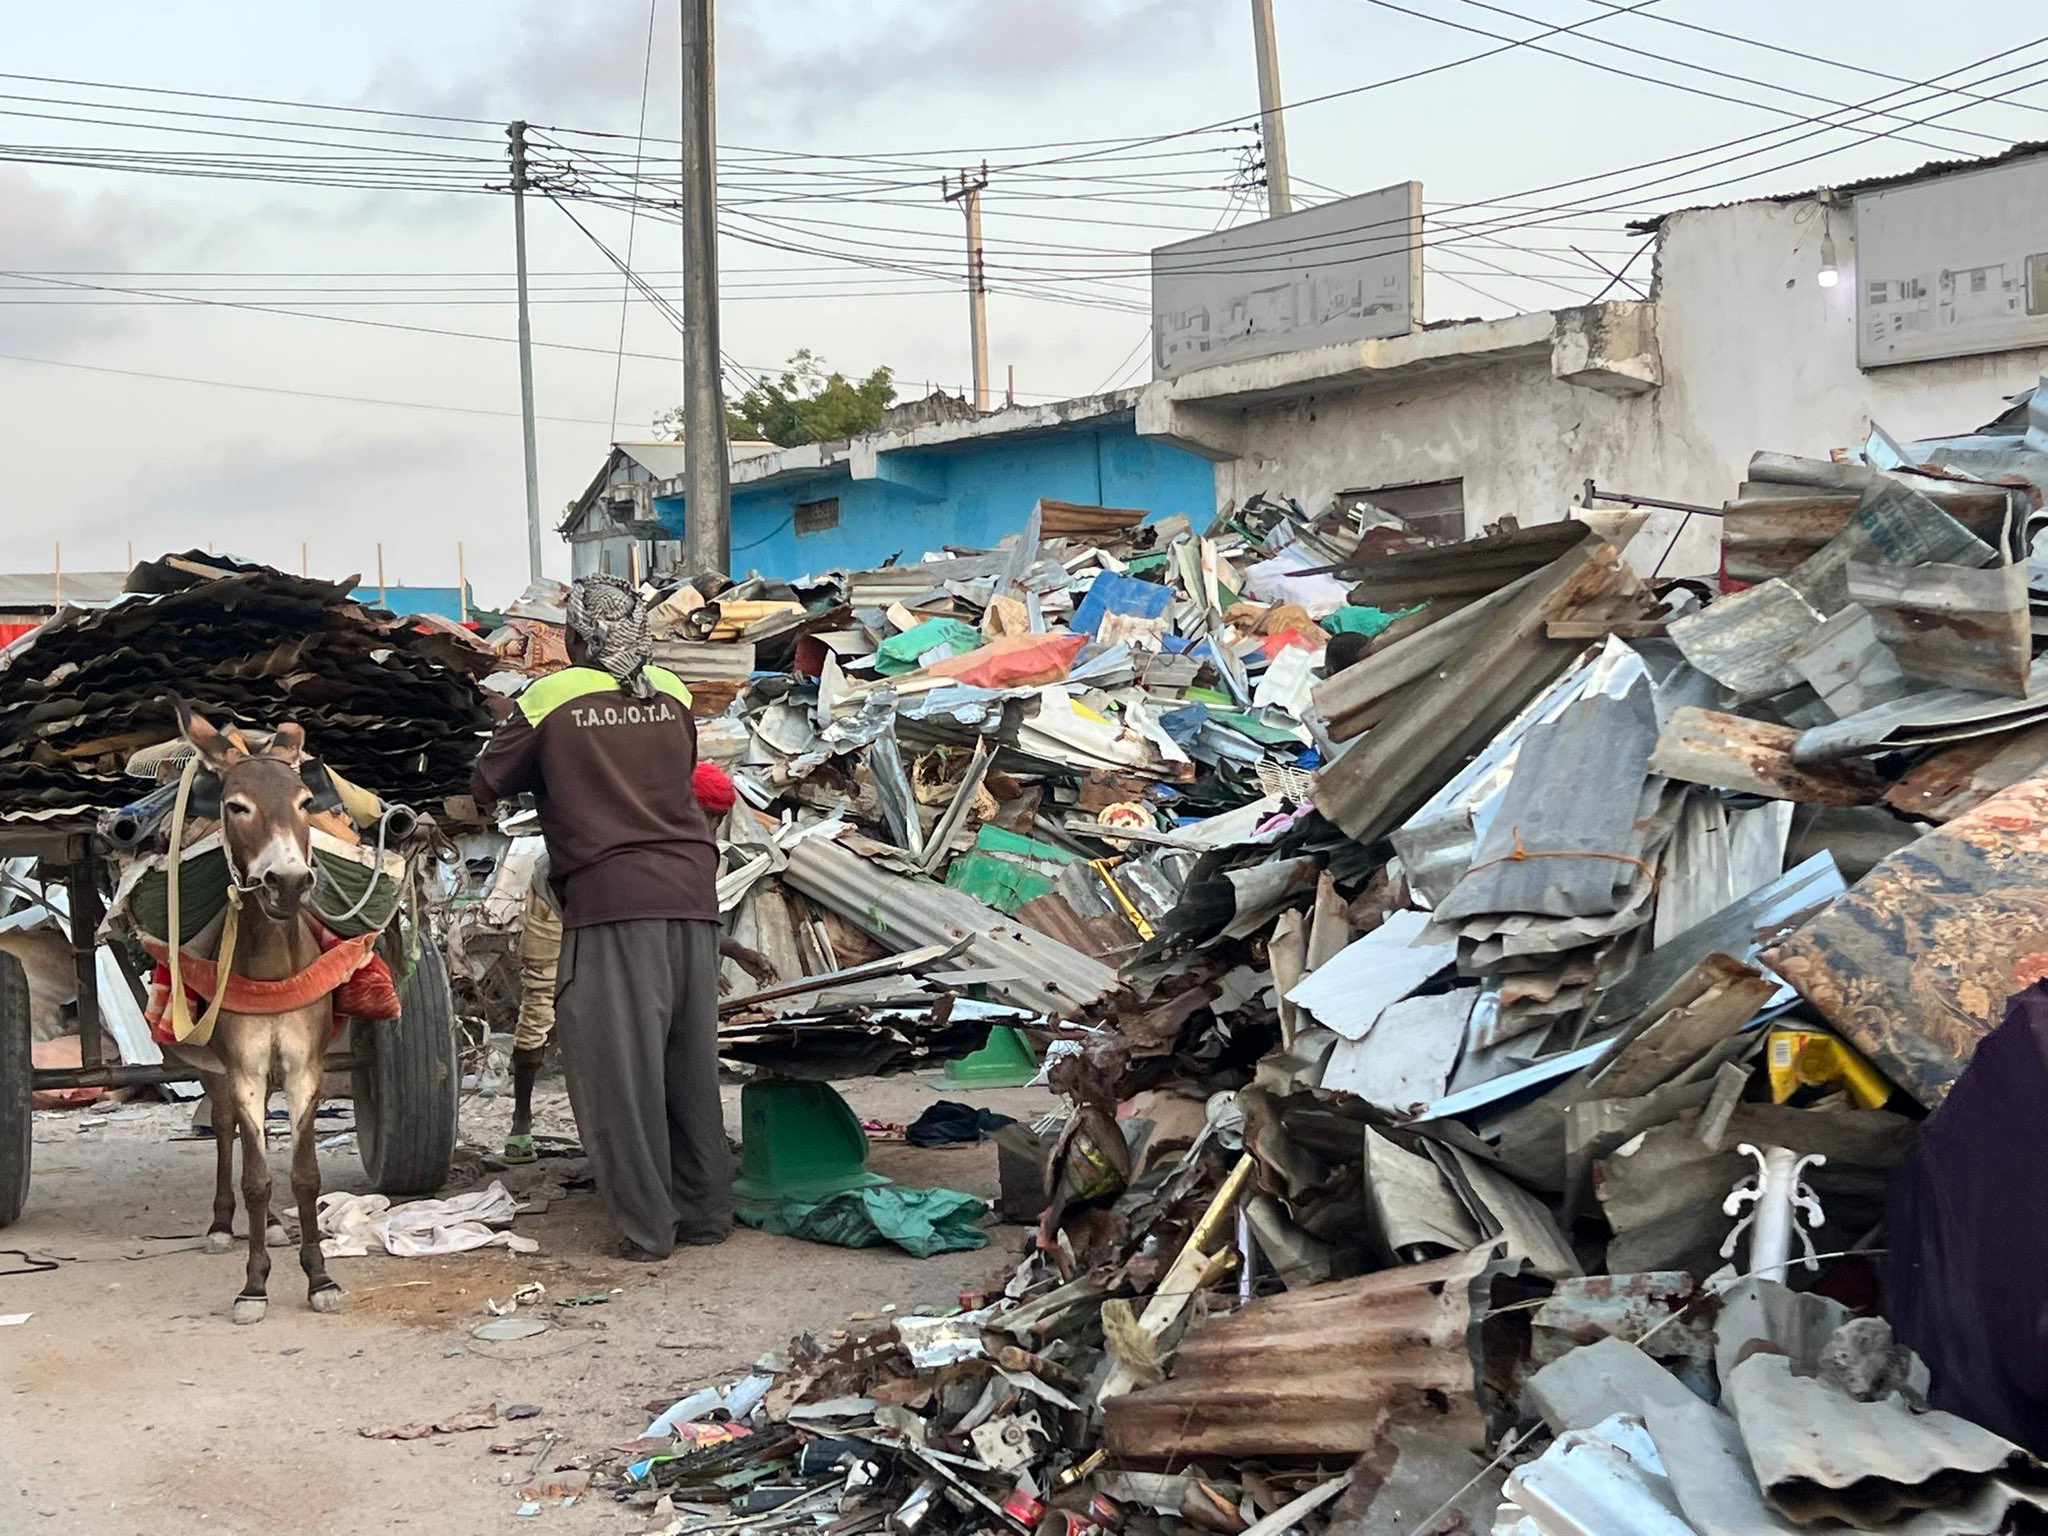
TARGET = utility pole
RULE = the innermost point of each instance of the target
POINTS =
(707, 532)
(1272, 131)
(516, 132)
(968, 195)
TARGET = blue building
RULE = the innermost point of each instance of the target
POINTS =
(455, 603)
(913, 487)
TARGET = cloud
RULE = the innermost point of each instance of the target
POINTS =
(46, 230)
(785, 66)
(258, 497)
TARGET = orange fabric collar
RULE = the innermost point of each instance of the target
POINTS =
(336, 965)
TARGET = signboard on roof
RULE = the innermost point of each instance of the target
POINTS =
(1339, 272)
(1954, 266)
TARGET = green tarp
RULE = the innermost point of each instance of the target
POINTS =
(1354, 620)
(899, 653)
(1006, 870)
(921, 1222)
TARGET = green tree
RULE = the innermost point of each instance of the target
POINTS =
(807, 404)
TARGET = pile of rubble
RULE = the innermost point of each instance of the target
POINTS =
(390, 702)
(1459, 1040)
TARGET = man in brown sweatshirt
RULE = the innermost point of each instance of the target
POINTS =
(607, 748)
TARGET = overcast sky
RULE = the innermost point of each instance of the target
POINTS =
(111, 438)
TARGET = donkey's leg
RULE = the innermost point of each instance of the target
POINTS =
(302, 1043)
(249, 1082)
(220, 1237)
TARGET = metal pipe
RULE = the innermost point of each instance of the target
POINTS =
(1593, 493)
(152, 1075)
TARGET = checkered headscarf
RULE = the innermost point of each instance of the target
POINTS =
(612, 620)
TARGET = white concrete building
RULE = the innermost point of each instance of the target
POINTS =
(1737, 348)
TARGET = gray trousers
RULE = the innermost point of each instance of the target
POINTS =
(636, 1014)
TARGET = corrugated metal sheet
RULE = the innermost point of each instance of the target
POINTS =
(1915, 964)
(1962, 777)
(1575, 789)
(1025, 967)
(1952, 625)
(1462, 570)
(1724, 751)
(1319, 1371)
(1739, 931)
(662, 460)
(706, 661)
(1600, 1481)
(38, 591)
(1819, 1454)
(1449, 715)
(1073, 520)
(1708, 1467)
(1928, 718)
(1746, 642)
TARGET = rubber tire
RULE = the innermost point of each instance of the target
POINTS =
(407, 1085)
(17, 1090)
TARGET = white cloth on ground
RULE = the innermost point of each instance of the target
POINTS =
(354, 1225)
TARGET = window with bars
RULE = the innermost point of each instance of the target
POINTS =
(819, 516)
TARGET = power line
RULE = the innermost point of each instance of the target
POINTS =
(632, 222)
(1645, 53)
(296, 394)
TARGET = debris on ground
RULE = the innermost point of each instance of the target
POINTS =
(1486, 1062)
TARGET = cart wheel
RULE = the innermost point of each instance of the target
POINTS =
(17, 1089)
(407, 1078)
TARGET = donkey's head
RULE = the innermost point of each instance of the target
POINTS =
(263, 811)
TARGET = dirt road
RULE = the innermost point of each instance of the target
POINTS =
(130, 1406)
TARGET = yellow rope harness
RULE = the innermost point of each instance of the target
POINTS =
(184, 1028)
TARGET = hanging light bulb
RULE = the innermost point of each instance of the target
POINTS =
(1829, 274)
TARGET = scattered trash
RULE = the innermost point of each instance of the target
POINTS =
(501, 1330)
(921, 1222)
(475, 1418)
(1463, 1033)
(355, 1224)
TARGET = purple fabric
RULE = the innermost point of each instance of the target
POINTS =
(1966, 1281)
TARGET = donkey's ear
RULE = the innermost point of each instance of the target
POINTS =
(218, 749)
(287, 745)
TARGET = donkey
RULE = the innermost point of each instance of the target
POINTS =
(265, 832)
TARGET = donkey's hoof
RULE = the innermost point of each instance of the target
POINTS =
(219, 1242)
(329, 1299)
(275, 1236)
(250, 1309)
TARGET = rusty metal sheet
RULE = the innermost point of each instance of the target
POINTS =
(1723, 751)
(1819, 1454)
(1319, 1372)
(1959, 778)
(1746, 642)
(1462, 570)
(1915, 964)
(1765, 535)
(1950, 624)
